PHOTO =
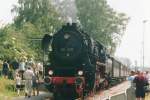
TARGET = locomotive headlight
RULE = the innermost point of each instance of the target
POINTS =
(80, 72)
(50, 72)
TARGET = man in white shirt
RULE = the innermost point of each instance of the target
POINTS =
(28, 74)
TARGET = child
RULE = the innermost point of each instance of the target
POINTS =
(18, 84)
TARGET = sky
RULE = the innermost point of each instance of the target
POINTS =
(131, 45)
(5, 11)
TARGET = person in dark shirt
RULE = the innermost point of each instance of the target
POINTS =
(5, 69)
(15, 64)
(140, 82)
(35, 83)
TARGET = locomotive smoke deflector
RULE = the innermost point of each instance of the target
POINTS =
(46, 42)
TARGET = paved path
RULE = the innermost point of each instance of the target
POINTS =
(103, 95)
(42, 96)
(118, 89)
(147, 96)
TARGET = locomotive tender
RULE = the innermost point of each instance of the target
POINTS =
(75, 64)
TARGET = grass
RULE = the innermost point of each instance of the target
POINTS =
(7, 89)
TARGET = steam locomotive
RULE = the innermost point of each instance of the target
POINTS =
(75, 64)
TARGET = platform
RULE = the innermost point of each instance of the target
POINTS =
(147, 96)
(114, 91)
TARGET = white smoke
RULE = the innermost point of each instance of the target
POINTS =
(67, 9)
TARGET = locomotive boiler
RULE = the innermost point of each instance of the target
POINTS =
(70, 61)
(75, 64)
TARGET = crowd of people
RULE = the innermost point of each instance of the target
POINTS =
(139, 83)
(30, 71)
(26, 74)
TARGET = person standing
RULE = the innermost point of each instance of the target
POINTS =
(40, 69)
(147, 88)
(18, 83)
(131, 78)
(15, 64)
(147, 76)
(22, 67)
(131, 91)
(35, 81)
(5, 69)
(28, 74)
(15, 67)
(31, 64)
(140, 82)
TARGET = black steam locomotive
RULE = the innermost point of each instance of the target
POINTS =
(75, 64)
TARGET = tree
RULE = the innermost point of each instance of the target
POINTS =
(33, 19)
(13, 43)
(101, 22)
(38, 12)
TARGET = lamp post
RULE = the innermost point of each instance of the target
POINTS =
(144, 22)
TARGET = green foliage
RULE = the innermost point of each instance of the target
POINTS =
(31, 32)
(38, 12)
(33, 19)
(7, 88)
(101, 21)
(7, 44)
(14, 43)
